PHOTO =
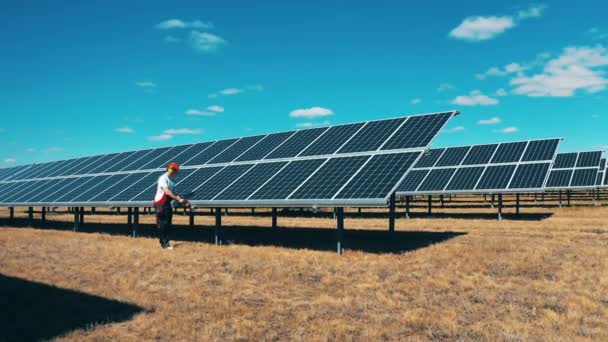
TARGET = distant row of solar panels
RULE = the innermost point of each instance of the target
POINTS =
(413, 132)
(494, 168)
(364, 167)
(577, 170)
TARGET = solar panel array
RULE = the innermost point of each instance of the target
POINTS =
(601, 176)
(495, 168)
(576, 170)
(357, 163)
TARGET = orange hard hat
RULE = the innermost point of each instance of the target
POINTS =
(174, 166)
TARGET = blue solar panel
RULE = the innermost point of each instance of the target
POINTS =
(412, 181)
(17, 196)
(191, 152)
(589, 159)
(33, 171)
(480, 154)
(286, 181)
(326, 182)
(53, 187)
(559, 178)
(56, 169)
(509, 152)
(565, 160)
(418, 131)
(453, 156)
(600, 178)
(540, 150)
(149, 193)
(296, 143)
(331, 141)
(95, 187)
(265, 146)
(603, 164)
(251, 181)
(69, 165)
(69, 170)
(102, 164)
(15, 188)
(530, 176)
(429, 158)
(496, 177)
(90, 164)
(372, 136)
(164, 159)
(186, 185)
(437, 180)
(72, 190)
(379, 176)
(584, 178)
(465, 178)
(127, 163)
(213, 150)
(121, 182)
(219, 182)
(236, 150)
(138, 187)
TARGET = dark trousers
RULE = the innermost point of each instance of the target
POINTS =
(164, 217)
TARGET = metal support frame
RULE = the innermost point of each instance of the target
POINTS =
(560, 198)
(517, 204)
(135, 221)
(76, 220)
(500, 206)
(218, 226)
(118, 211)
(30, 216)
(130, 217)
(81, 213)
(191, 215)
(442, 201)
(253, 210)
(11, 214)
(391, 213)
(569, 197)
(92, 210)
(43, 215)
(340, 233)
(430, 204)
(274, 217)
(407, 207)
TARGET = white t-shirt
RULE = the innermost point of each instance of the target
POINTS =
(164, 182)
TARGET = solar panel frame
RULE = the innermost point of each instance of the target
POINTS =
(574, 182)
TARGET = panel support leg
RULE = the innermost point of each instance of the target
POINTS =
(499, 206)
(274, 217)
(430, 204)
(218, 226)
(191, 213)
(11, 214)
(407, 207)
(569, 196)
(391, 213)
(340, 235)
(30, 216)
(517, 204)
(92, 210)
(76, 220)
(135, 221)
(442, 201)
(43, 215)
(560, 198)
(81, 213)
(253, 210)
(130, 217)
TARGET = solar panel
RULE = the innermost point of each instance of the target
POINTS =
(360, 163)
(578, 170)
(482, 168)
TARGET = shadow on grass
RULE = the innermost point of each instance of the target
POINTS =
(314, 238)
(33, 311)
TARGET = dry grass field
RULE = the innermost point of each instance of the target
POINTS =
(457, 276)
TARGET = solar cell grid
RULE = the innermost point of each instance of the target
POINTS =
(127, 164)
(379, 176)
(191, 152)
(584, 178)
(265, 146)
(465, 178)
(70, 165)
(412, 180)
(33, 185)
(213, 150)
(453, 156)
(164, 159)
(540, 150)
(372, 136)
(332, 176)
(73, 190)
(123, 181)
(565, 160)
(296, 143)
(220, 181)
(331, 141)
(186, 185)
(429, 158)
(418, 131)
(56, 169)
(600, 178)
(496, 177)
(250, 182)
(14, 188)
(603, 164)
(69, 170)
(480, 154)
(32, 171)
(530, 176)
(91, 164)
(437, 180)
(26, 197)
(238, 148)
(143, 183)
(99, 184)
(559, 178)
(589, 159)
(54, 186)
(286, 181)
(509, 152)
(103, 164)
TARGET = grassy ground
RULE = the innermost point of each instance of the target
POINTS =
(467, 276)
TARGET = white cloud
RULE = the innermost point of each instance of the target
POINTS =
(506, 70)
(454, 129)
(532, 12)
(575, 69)
(444, 87)
(415, 101)
(312, 112)
(176, 131)
(216, 109)
(491, 121)
(475, 98)
(501, 92)
(199, 112)
(161, 137)
(312, 124)
(171, 39)
(231, 91)
(146, 84)
(180, 24)
(10, 160)
(508, 130)
(206, 42)
(482, 28)
(124, 130)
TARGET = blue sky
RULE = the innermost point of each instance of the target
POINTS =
(78, 78)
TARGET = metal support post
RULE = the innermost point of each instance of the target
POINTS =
(407, 207)
(43, 215)
(274, 217)
(191, 213)
(218, 226)
(30, 216)
(81, 213)
(340, 235)
(135, 221)
(517, 204)
(391, 213)
(500, 206)
(430, 204)
(11, 214)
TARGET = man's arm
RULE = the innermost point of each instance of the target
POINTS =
(173, 195)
